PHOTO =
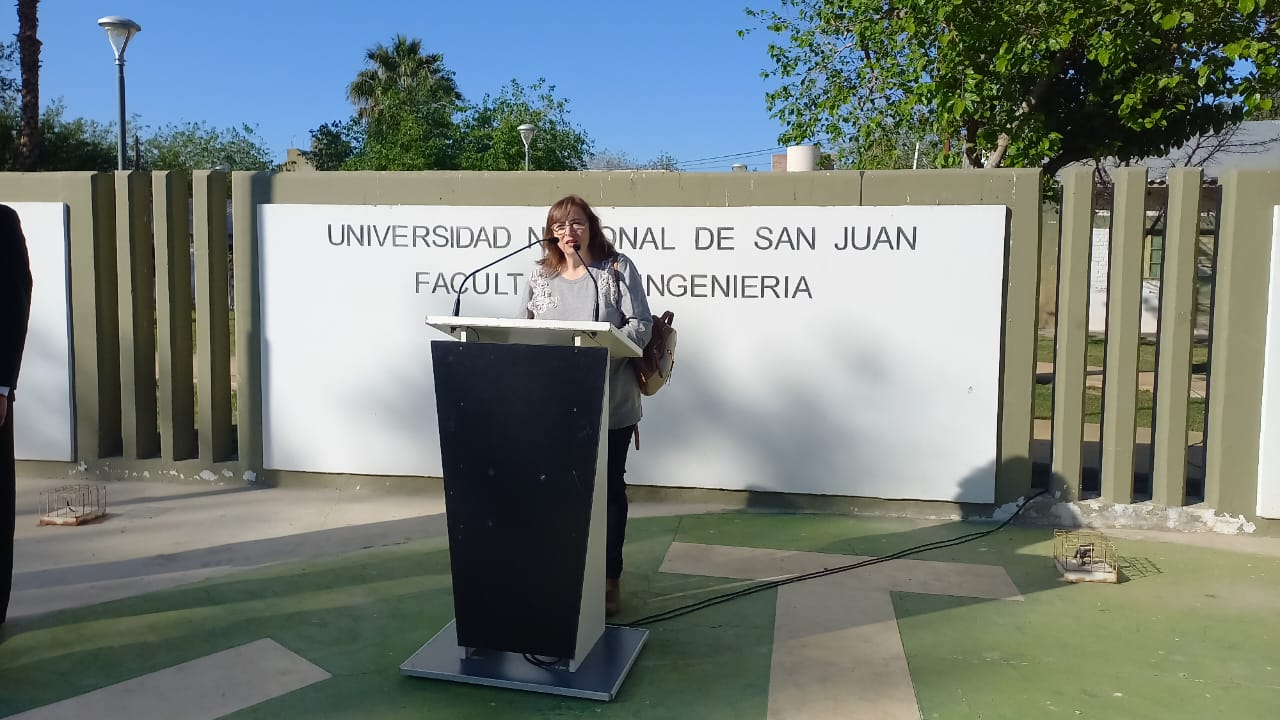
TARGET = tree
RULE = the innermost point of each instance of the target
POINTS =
(80, 144)
(894, 148)
(333, 144)
(29, 62)
(10, 88)
(404, 73)
(489, 139)
(664, 161)
(197, 146)
(76, 144)
(409, 115)
(608, 160)
(1270, 113)
(1019, 82)
(405, 102)
(407, 135)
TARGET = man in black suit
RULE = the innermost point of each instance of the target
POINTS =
(15, 312)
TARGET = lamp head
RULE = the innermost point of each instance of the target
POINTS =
(119, 32)
(527, 132)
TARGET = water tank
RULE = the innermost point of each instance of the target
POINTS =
(802, 157)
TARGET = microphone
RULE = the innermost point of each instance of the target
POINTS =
(595, 308)
(457, 300)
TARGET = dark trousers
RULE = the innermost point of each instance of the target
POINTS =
(616, 504)
(8, 502)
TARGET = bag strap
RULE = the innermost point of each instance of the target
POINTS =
(617, 280)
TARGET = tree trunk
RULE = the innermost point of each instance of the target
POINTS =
(29, 64)
(997, 157)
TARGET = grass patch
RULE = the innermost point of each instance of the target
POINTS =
(1093, 407)
(1097, 344)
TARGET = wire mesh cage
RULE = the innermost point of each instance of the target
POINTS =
(1085, 556)
(73, 504)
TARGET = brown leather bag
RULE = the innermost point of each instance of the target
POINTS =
(653, 367)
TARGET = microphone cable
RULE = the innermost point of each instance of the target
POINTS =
(595, 308)
(771, 584)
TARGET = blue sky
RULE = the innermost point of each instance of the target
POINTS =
(642, 78)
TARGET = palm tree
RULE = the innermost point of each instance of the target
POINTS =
(29, 64)
(402, 71)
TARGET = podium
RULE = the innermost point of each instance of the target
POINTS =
(522, 408)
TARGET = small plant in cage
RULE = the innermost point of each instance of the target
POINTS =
(73, 504)
(1085, 556)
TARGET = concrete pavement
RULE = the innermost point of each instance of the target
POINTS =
(189, 600)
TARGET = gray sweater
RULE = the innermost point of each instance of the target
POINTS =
(549, 296)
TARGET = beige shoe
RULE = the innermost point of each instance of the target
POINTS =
(612, 596)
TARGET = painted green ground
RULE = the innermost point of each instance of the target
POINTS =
(1193, 633)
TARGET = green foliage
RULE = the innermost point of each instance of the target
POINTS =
(664, 161)
(895, 148)
(490, 141)
(9, 87)
(608, 160)
(400, 75)
(334, 144)
(1018, 82)
(80, 144)
(75, 144)
(8, 137)
(405, 134)
(405, 102)
(409, 115)
(197, 146)
(1269, 109)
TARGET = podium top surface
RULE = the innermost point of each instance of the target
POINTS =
(536, 332)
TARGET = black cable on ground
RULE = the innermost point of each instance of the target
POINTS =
(545, 663)
(915, 550)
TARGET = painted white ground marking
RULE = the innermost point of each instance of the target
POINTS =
(202, 689)
(836, 648)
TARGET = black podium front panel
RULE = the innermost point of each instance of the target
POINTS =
(519, 431)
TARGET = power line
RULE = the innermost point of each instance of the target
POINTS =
(731, 156)
(710, 163)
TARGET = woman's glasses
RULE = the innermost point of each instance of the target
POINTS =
(575, 226)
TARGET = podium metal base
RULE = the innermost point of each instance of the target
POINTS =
(598, 678)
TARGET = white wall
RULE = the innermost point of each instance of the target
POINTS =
(865, 372)
(44, 421)
(1269, 443)
(1099, 269)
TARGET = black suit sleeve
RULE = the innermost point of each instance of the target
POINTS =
(15, 297)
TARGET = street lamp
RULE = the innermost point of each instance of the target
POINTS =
(527, 132)
(119, 32)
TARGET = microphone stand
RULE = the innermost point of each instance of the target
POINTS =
(457, 300)
(595, 308)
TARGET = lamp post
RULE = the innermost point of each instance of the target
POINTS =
(119, 32)
(527, 132)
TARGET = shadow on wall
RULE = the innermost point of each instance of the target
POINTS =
(868, 431)
(402, 408)
(43, 414)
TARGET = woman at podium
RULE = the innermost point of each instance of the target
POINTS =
(582, 276)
